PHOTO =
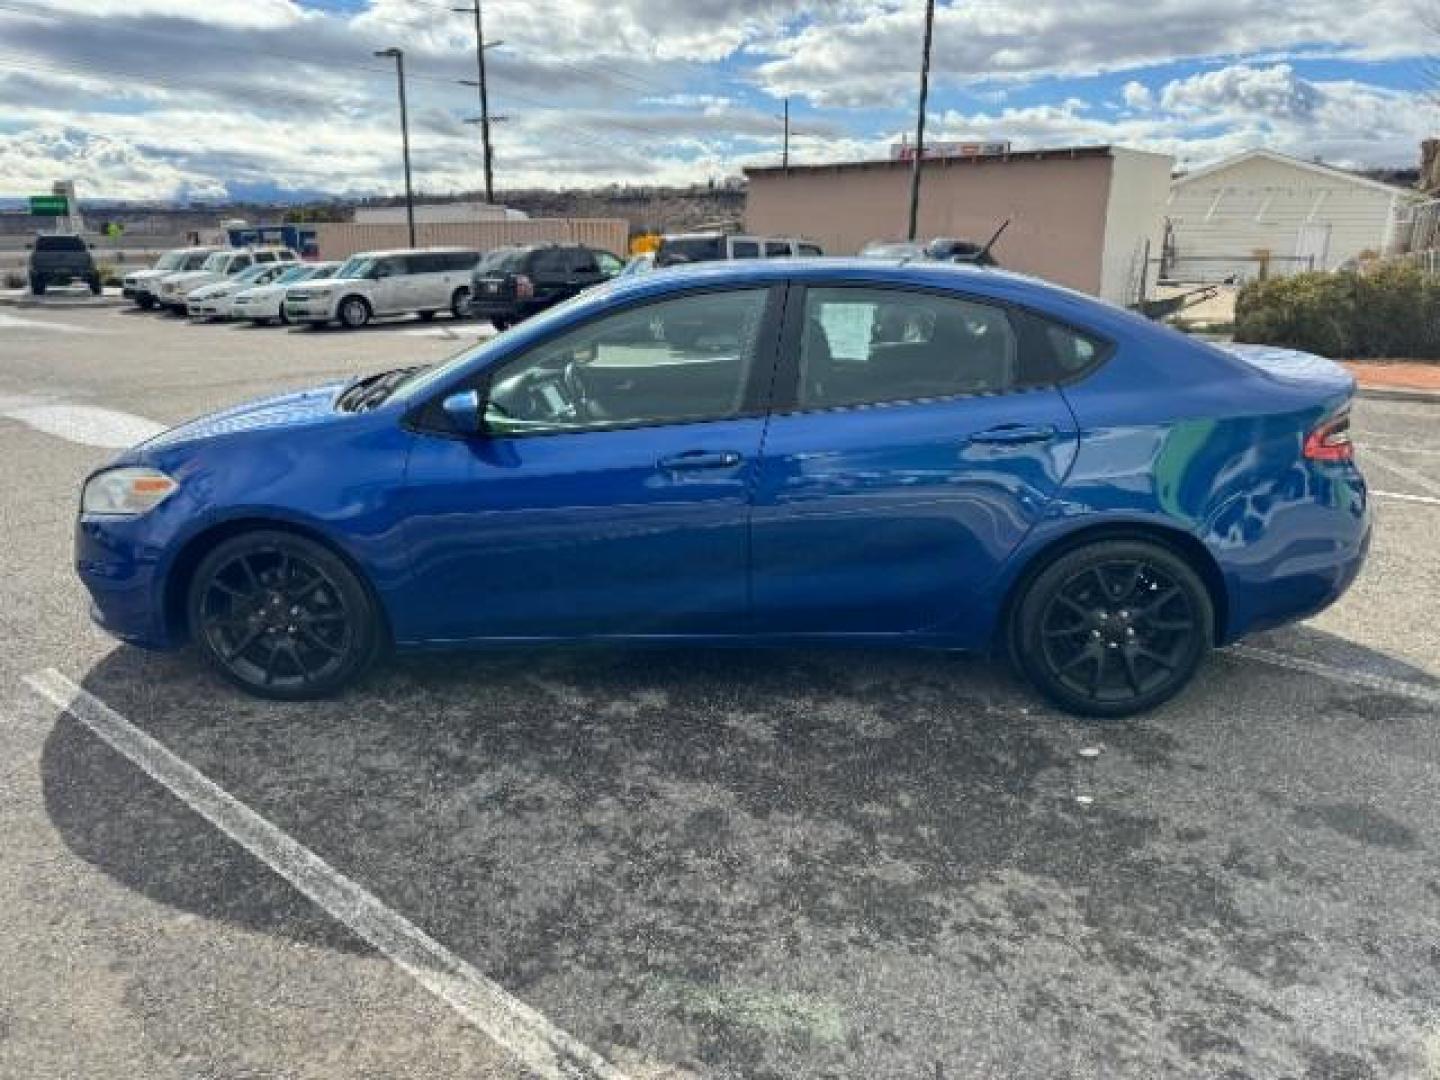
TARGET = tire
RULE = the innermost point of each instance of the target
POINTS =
(425, 316)
(460, 302)
(500, 325)
(146, 303)
(282, 318)
(37, 286)
(96, 288)
(1117, 653)
(282, 616)
(354, 312)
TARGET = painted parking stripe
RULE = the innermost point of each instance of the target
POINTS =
(84, 424)
(1382, 683)
(1415, 476)
(1424, 499)
(536, 1043)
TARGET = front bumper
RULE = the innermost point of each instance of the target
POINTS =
(121, 571)
(316, 310)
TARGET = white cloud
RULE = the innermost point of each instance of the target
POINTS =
(1137, 95)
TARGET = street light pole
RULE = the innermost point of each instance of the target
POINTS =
(480, 48)
(399, 56)
(785, 157)
(920, 122)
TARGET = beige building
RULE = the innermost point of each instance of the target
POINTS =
(1084, 217)
(1263, 209)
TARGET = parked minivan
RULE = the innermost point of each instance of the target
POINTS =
(717, 246)
(372, 284)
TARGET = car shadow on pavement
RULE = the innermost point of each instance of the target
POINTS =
(761, 863)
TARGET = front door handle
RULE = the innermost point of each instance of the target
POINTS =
(700, 459)
(1015, 434)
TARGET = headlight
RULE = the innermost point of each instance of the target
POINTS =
(126, 492)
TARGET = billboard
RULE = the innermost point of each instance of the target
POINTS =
(906, 151)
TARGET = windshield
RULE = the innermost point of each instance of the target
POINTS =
(503, 261)
(357, 266)
(249, 274)
(216, 262)
(423, 381)
(171, 260)
(295, 273)
(59, 243)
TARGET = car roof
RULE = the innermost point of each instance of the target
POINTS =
(982, 282)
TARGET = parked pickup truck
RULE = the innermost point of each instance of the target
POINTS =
(59, 259)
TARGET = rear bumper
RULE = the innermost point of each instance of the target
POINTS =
(1325, 543)
(502, 309)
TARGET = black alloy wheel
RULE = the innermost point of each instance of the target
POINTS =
(282, 616)
(1114, 628)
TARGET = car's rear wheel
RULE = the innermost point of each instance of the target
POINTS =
(282, 616)
(1113, 628)
(281, 317)
(500, 324)
(96, 286)
(354, 312)
(426, 316)
(460, 302)
(37, 286)
(145, 302)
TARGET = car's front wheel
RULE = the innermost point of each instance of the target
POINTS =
(282, 616)
(354, 312)
(37, 286)
(1113, 628)
(146, 302)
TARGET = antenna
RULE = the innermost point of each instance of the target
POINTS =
(985, 251)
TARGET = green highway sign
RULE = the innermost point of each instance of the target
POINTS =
(49, 205)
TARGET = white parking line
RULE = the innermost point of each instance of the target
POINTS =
(1384, 684)
(545, 1050)
(85, 424)
(1415, 476)
(1426, 499)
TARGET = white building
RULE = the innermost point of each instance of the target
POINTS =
(1261, 208)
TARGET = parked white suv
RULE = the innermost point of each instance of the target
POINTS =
(140, 285)
(171, 290)
(683, 248)
(375, 283)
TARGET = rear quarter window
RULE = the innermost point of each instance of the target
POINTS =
(1052, 352)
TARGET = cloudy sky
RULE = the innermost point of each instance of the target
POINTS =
(158, 99)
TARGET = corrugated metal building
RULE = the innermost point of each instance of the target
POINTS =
(1085, 217)
(1265, 210)
(339, 241)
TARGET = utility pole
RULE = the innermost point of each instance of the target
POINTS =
(399, 57)
(920, 121)
(480, 48)
(785, 156)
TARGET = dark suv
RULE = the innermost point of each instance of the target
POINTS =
(514, 283)
(59, 259)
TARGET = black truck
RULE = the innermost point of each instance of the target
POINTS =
(59, 259)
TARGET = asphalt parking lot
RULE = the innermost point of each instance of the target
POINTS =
(692, 864)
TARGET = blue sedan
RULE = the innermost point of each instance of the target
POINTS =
(811, 451)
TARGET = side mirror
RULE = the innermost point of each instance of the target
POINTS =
(463, 411)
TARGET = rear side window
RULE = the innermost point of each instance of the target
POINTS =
(264, 256)
(867, 346)
(811, 250)
(776, 249)
(427, 263)
(1051, 352)
(459, 260)
(745, 249)
(583, 262)
(238, 263)
(552, 261)
(59, 243)
(689, 249)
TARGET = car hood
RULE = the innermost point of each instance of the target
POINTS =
(1294, 367)
(260, 291)
(291, 410)
(192, 278)
(147, 275)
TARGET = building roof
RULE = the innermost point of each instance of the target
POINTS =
(1048, 154)
(1328, 171)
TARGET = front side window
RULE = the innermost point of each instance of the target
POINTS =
(675, 361)
(609, 265)
(866, 346)
(552, 262)
(776, 249)
(745, 249)
(240, 262)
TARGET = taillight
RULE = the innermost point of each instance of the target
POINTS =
(524, 287)
(1330, 441)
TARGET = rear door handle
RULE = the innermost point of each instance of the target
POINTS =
(1014, 434)
(700, 459)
